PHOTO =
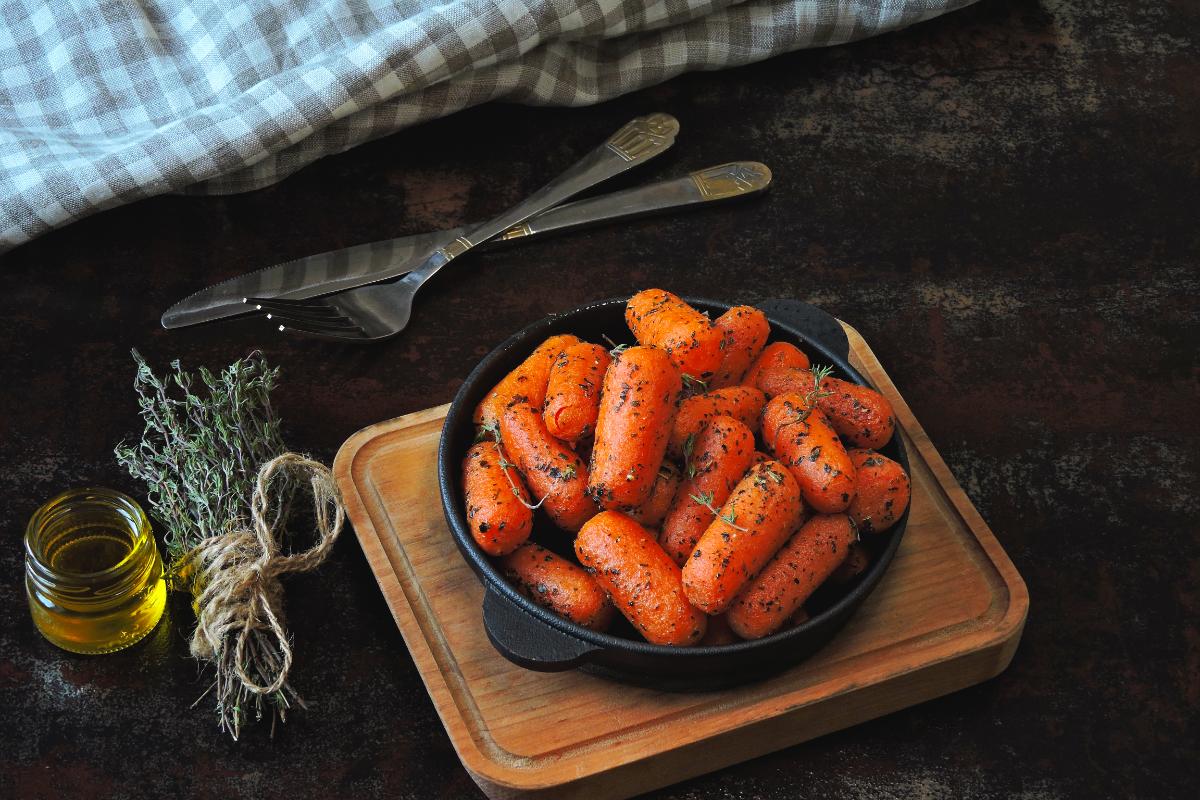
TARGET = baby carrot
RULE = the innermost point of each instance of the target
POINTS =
(862, 416)
(651, 513)
(856, 563)
(661, 319)
(745, 331)
(801, 437)
(800, 566)
(716, 461)
(776, 354)
(763, 510)
(527, 381)
(497, 500)
(641, 579)
(552, 581)
(882, 491)
(718, 633)
(573, 391)
(743, 403)
(553, 471)
(637, 405)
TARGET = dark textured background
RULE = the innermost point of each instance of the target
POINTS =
(1005, 201)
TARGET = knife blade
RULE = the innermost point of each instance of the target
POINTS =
(372, 262)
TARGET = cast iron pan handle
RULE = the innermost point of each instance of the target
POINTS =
(529, 642)
(815, 324)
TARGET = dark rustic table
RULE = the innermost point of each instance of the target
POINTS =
(1005, 201)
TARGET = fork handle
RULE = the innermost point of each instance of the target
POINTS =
(636, 142)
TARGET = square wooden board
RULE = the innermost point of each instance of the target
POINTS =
(948, 614)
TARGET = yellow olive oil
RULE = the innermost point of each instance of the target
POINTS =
(92, 572)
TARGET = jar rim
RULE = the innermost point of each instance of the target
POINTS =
(126, 503)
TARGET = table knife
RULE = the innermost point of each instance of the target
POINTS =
(334, 271)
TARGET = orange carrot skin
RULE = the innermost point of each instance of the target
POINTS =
(774, 381)
(856, 563)
(637, 406)
(552, 581)
(641, 579)
(498, 518)
(527, 381)
(573, 391)
(776, 354)
(552, 469)
(720, 456)
(759, 457)
(743, 403)
(651, 513)
(767, 504)
(745, 332)
(800, 566)
(883, 491)
(663, 320)
(862, 416)
(719, 633)
(803, 439)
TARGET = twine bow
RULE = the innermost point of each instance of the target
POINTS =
(239, 620)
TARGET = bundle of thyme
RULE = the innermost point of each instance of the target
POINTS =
(220, 483)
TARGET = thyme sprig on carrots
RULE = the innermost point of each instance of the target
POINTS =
(492, 429)
(706, 499)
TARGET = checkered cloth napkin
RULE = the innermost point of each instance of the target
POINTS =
(103, 102)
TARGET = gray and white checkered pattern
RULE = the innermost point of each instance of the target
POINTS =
(103, 102)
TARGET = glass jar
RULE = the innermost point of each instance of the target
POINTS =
(92, 571)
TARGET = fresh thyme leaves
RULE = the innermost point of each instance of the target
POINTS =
(819, 374)
(200, 451)
(695, 383)
(220, 484)
(706, 499)
(618, 349)
(493, 429)
(689, 444)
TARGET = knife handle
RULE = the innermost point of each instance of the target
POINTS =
(636, 142)
(721, 182)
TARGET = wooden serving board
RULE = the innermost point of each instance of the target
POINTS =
(948, 614)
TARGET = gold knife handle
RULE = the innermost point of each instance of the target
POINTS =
(721, 182)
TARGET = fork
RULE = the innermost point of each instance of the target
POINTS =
(371, 313)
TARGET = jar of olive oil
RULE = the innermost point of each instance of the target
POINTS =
(92, 571)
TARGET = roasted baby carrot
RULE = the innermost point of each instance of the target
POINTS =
(715, 463)
(573, 391)
(745, 330)
(498, 508)
(776, 354)
(651, 513)
(862, 416)
(551, 581)
(641, 579)
(551, 468)
(661, 319)
(718, 633)
(882, 491)
(856, 563)
(637, 406)
(528, 381)
(762, 512)
(774, 381)
(800, 566)
(801, 437)
(743, 403)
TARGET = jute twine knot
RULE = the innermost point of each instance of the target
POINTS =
(241, 598)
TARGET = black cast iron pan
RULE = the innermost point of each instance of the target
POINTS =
(537, 639)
